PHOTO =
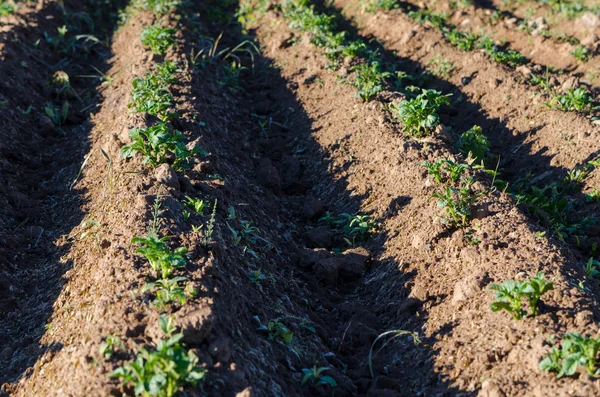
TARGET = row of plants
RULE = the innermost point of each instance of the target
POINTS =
(163, 369)
(569, 100)
(419, 117)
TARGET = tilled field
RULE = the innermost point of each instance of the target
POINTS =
(280, 198)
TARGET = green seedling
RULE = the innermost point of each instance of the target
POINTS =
(111, 344)
(159, 39)
(474, 144)
(162, 260)
(593, 196)
(315, 376)
(511, 58)
(161, 371)
(58, 116)
(7, 8)
(259, 279)
(582, 54)
(166, 71)
(195, 204)
(419, 115)
(574, 100)
(510, 294)
(168, 291)
(575, 350)
(425, 15)
(435, 169)
(592, 268)
(277, 331)
(357, 227)
(159, 145)
(151, 95)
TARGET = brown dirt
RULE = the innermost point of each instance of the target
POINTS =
(322, 150)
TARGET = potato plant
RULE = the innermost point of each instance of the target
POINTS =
(510, 295)
(158, 144)
(162, 260)
(159, 39)
(160, 371)
(574, 351)
(419, 114)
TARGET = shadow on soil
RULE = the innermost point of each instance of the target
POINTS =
(270, 133)
(39, 162)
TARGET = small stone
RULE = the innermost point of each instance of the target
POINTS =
(166, 175)
(352, 263)
(589, 21)
(468, 287)
(312, 208)
(326, 270)
(196, 325)
(309, 257)
(490, 389)
(220, 349)
(319, 237)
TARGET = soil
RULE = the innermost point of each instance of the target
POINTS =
(281, 148)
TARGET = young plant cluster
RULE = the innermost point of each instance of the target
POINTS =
(468, 41)
(369, 74)
(553, 203)
(161, 142)
(574, 351)
(356, 228)
(160, 370)
(510, 295)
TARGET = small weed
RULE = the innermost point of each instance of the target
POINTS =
(395, 334)
(163, 370)
(510, 294)
(575, 350)
(58, 116)
(207, 240)
(159, 39)
(277, 331)
(456, 202)
(419, 115)
(111, 344)
(195, 204)
(315, 376)
(441, 68)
